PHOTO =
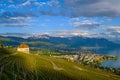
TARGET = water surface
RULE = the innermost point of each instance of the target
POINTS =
(110, 63)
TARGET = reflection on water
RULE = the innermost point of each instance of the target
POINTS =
(110, 63)
(113, 63)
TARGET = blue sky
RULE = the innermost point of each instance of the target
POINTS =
(88, 18)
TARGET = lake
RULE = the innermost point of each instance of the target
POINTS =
(110, 63)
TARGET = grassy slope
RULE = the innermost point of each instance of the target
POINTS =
(32, 67)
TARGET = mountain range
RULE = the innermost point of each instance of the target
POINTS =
(60, 43)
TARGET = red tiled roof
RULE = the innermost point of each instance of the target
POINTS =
(23, 46)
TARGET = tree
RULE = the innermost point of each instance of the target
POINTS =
(1, 45)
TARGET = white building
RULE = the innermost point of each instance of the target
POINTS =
(23, 48)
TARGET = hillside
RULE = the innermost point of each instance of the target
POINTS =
(48, 42)
(21, 66)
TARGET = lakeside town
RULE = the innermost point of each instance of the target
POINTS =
(87, 58)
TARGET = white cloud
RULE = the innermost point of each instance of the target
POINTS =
(48, 3)
(68, 33)
(21, 18)
(113, 29)
(14, 25)
(111, 33)
(86, 24)
(76, 19)
(53, 3)
(27, 3)
(40, 3)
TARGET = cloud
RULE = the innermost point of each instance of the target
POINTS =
(24, 3)
(53, 3)
(39, 3)
(14, 25)
(113, 29)
(108, 32)
(15, 19)
(52, 13)
(111, 33)
(27, 3)
(82, 8)
(41, 7)
(48, 3)
(7, 14)
(93, 8)
(53, 8)
(49, 12)
(68, 33)
(71, 8)
(12, 1)
(85, 24)
(15, 22)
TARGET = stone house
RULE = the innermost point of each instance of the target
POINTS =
(23, 48)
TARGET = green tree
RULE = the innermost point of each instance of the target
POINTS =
(1, 45)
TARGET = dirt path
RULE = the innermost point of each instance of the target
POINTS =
(78, 68)
(55, 67)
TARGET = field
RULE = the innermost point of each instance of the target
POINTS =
(21, 66)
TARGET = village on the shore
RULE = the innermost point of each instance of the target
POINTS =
(87, 58)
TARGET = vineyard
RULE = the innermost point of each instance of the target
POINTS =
(21, 66)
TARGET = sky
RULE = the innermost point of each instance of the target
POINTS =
(88, 18)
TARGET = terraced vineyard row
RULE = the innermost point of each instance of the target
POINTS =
(27, 67)
(22, 66)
